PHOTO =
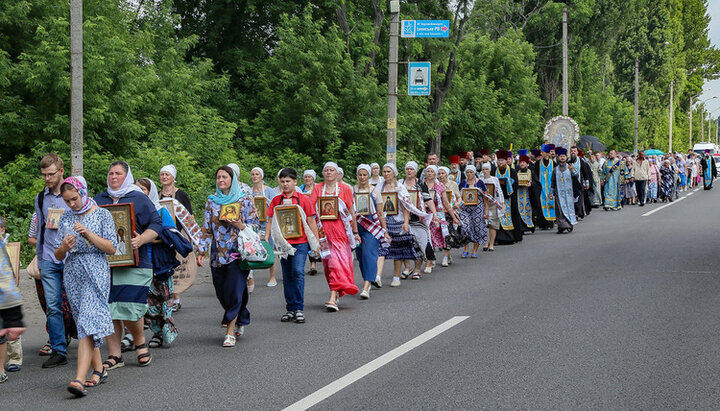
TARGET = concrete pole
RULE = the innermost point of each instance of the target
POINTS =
(637, 99)
(702, 123)
(76, 87)
(565, 102)
(393, 82)
(672, 93)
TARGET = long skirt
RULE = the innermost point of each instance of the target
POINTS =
(230, 284)
(423, 247)
(402, 246)
(159, 314)
(128, 292)
(367, 254)
(338, 266)
(473, 223)
(652, 190)
(436, 234)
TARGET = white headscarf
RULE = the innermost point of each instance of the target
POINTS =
(472, 168)
(484, 166)
(331, 164)
(445, 169)
(364, 167)
(413, 165)
(434, 168)
(340, 171)
(127, 186)
(392, 166)
(262, 173)
(310, 173)
(153, 195)
(374, 165)
(236, 169)
(170, 169)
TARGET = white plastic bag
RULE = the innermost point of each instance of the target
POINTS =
(250, 246)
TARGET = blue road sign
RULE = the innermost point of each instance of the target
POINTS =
(425, 28)
(419, 78)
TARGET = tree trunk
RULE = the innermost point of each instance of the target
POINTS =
(378, 18)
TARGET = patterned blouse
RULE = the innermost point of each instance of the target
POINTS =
(219, 236)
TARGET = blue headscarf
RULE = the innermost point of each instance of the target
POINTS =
(233, 196)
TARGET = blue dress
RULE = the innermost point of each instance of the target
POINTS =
(87, 274)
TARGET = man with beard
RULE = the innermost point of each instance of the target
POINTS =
(511, 227)
(535, 156)
(566, 188)
(545, 217)
(709, 169)
(527, 185)
(614, 171)
(588, 181)
(463, 163)
(596, 163)
(455, 171)
(584, 176)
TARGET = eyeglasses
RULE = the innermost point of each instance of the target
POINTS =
(48, 175)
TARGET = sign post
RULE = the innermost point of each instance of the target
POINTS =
(419, 78)
(418, 29)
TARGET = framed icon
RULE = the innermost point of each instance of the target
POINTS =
(52, 220)
(390, 203)
(362, 203)
(433, 193)
(490, 189)
(124, 217)
(13, 250)
(449, 196)
(261, 208)
(289, 219)
(524, 179)
(169, 205)
(230, 212)
(328, 206)
(414, 198)
(470, 196)
(453, 176)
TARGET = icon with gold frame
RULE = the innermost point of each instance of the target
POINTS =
(169, 205)
(449, 196)
(470, 196)
(414, 198)
(362, 203)
(53, 218)
(390, 203)
(13, 250)
(230, 212)
(328, 206)
(289, 219)
(261, 208)
(124, 217)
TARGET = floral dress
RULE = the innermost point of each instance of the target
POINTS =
(87, 274)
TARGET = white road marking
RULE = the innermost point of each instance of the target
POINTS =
(339, 384)
(661, 207)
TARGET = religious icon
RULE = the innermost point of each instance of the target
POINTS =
(453, 176)
(328, 206)
(433, 193)
(470, 196)
(261, 208)
(491, 190)
(390, 203)
(124, 217)
(13, 250)
(289, 219)
(53, 218)
(524, 179)
(230, 212)
(169, 205)
(362, 203)
(449, 196)
(414, 198)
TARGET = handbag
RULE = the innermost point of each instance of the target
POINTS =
(33, 269)
(268, 262)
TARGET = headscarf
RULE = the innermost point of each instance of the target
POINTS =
(472, 168)
(153, 195)
(484, 166)
(262, 173)
(127, 186)
(392, 166)
(232, 196)
(81, 186)
(235, 168)
(445, 169)
(434, 168)
(340, 171)
(374, 165)
(170, 169)
(331, 164)
(310, 173)
(364, 167)
(412, 165)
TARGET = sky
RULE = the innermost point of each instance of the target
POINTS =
(712, 88)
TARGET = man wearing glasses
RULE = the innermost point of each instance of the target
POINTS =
(47, 204)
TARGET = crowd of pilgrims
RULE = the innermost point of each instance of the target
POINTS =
(411, 217)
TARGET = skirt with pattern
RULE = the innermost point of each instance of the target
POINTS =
(402, 246)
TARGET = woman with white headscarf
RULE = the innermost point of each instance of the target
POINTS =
(375, 177)
(444, 212)
(418, 228)
(309, 177)
(259, 189)
(402, 246)
(130, 285)
(474, 217)
(495, 207)
(340, 234)
(168, 176)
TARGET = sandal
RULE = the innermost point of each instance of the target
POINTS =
(126, 344)
(117, 362)
(45, 350)
(473, 255)
(239, 330)
(74, 390)
(464, 254)
(156, 341)
(405, 275)
(229, 341)
(332, 306)
(299, 317)
(415, 276)
(3, 377)
(102, 376)
(141, 357)
(289, 316)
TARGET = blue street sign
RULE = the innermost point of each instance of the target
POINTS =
(419, 78)
(425, 28)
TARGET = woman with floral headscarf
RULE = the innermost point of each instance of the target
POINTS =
(86, 236)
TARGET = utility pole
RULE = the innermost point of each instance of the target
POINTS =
(565, 63)
(637, 99)
(76, 87)
(702, 123)
(690, 124)
(672, 92)
(393, 81)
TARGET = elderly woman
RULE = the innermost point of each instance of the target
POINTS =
(373, 232)
(667, 182)
(438, 231)
(418, 227)
(473, 217)
(86, 236)
(220, 239)
(496, 206)
(375, 177)
(259, 189)
(339, 235)
(398, 222)
(309, 177)
(130, 285)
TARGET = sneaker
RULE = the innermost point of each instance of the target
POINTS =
(55, 360)
(364, 294)
(395, 282)
(378, 282)
(444, 262)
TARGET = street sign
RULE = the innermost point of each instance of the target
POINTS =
(425, 28)
(419, 78)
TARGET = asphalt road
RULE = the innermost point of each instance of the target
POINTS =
(620, 314)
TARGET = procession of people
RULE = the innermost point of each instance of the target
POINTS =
(107, 261)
